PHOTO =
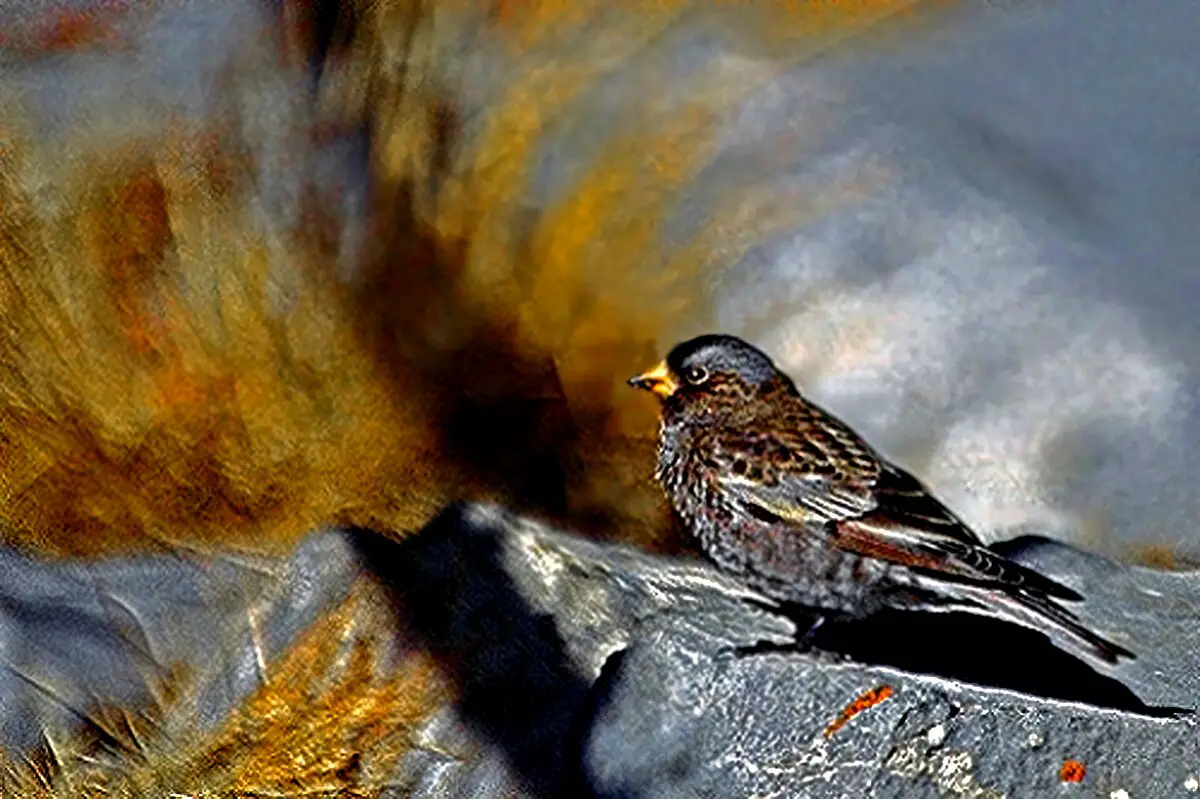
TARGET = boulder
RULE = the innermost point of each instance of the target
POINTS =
(593, 669)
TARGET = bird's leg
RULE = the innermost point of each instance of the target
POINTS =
(805, 642)
(801, 645)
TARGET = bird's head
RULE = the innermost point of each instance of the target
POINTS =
(711, 367)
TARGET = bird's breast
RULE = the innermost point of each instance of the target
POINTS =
(783, 560)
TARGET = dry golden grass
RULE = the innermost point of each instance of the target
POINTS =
(334, 716)
(151, 390)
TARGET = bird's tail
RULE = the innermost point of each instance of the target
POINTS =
(1038, 613)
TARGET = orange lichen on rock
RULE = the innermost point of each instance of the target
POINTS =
(867, 700)
(1072, 771)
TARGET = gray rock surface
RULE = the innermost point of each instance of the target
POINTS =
(592, 669)
(75, 635)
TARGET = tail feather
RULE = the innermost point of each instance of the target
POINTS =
(1036, 612)
(1102, 647)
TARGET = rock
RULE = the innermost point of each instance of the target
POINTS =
(525, 619)
(584, 669)
(76, 635)
(592, 669)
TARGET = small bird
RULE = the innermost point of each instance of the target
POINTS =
(794, 502)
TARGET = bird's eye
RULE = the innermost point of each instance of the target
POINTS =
(696, 375)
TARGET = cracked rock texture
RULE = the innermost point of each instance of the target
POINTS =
(592, 669)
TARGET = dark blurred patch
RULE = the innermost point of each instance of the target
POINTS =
(333, 24)
(128, 228)
(503, 417)
(500, 412)
(516, 684)
(315, 30)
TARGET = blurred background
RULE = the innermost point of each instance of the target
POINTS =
(269, 264)
(272, 264)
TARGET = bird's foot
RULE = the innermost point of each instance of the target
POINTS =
(805, 642)
(803, 645)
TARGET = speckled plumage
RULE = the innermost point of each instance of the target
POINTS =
(789, 498)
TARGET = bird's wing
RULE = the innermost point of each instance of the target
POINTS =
(797, 466)
(891, 518)
(908, 512)
(803, 500)
(903, 499)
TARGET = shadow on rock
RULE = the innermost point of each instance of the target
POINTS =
(976, 650)
(517, 687)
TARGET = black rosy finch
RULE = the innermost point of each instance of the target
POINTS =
(791, 500)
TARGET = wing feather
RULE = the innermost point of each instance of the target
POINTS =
(885, 513)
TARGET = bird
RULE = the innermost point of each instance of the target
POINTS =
(795, 503)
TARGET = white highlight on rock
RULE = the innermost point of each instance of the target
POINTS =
(1119, 793)
(936, 735)
(1191, 785)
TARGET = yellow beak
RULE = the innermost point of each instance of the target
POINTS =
(658, 380)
